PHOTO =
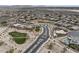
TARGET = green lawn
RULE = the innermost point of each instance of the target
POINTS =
(18, 37)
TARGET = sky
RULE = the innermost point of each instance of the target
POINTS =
(40, 2)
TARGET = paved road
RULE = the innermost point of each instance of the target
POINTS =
(40, 40)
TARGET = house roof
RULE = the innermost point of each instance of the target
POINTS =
(74, 34)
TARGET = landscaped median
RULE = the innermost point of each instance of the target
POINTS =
(18, 37)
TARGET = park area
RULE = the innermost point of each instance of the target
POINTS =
(18, 37)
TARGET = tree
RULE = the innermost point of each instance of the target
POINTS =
(37, 28)
(4, 23)
(69, 40)
(64, 50)
(50, 46)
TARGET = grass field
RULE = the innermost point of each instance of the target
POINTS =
(18, 37)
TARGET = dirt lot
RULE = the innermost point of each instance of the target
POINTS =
(9, 44)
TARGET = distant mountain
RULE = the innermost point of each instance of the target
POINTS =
(38, 6)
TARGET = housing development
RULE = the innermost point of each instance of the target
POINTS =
(39, 29)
